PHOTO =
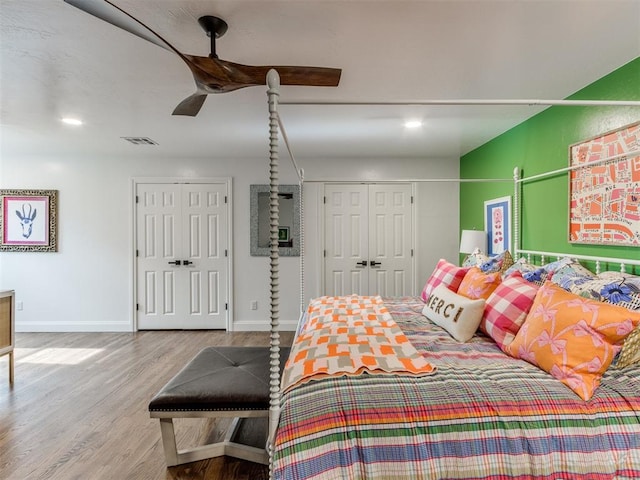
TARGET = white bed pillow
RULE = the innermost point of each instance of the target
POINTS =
(458, 315)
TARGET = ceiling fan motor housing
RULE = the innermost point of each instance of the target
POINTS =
(215, 28)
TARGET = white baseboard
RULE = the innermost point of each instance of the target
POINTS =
(32, 327)
(49, 327)
(253, 326)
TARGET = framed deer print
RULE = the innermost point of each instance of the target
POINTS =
(28, 220)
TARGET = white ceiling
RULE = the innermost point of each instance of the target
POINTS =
(58, 61)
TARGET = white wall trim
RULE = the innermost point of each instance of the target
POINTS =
(83, 326)
(255, 326)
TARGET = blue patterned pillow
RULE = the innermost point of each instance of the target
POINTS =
(499, 263)
(572, 275)
(612, 287)
(475, 259)
(538, 274)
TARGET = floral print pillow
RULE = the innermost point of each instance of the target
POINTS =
(618, 289)
(572, 274)
(499, 263)
(611, 287)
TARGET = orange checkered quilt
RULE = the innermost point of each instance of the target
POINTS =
(348, 336)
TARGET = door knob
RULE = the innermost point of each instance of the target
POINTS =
(177, 262)
(362, 263)
(373, 263)
(186, 262)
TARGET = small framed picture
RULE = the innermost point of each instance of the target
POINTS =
(28, 220)
(497, 224)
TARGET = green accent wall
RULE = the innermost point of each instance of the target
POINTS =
(541, 144)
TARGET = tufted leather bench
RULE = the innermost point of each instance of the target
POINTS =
(217, 382)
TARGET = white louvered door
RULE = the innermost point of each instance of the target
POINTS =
(368, 239)
(182, 256)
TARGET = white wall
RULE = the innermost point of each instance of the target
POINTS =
(87, 285)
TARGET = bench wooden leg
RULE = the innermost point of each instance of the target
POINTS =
(169, 441)
(227, 447)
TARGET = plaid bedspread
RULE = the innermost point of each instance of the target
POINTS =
(481, 415)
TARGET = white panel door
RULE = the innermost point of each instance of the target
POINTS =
(182, 262)
(368, 239)
(390, 233)
(346, 242)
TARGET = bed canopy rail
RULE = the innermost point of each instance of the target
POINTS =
(415, 180)
(471, 102)
(559, 171)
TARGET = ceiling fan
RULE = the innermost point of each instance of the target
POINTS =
(211, 74)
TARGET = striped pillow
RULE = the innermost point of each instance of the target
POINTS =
(507, 307)
(445, 273)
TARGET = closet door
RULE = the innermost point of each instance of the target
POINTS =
(205, 254)
(368, 239)
(182, 263)
(346, 239)
(390, 234)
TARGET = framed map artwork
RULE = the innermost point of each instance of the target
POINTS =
(604, 189)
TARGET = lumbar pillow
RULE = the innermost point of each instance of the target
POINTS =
(458, 315)
(445, 273)
(477, 284)
(572, 338)
(507, 308)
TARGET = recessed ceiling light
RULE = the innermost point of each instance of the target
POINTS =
(413, 123)
(71, 121)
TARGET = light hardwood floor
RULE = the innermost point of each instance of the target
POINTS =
(78, 407)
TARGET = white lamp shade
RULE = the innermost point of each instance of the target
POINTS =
(472, 239)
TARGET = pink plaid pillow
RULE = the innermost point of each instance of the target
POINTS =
(448, 274)
(507, 307)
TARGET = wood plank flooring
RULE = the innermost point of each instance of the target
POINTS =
(78, 407)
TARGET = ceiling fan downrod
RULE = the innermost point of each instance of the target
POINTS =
(215, 27)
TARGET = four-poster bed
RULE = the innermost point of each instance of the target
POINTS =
(472, 411)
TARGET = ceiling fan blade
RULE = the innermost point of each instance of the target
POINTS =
(218, 76)
(190, 106)
(111, 13)
(311, 76)
(289, 75)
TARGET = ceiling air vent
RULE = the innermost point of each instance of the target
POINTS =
(140, 140)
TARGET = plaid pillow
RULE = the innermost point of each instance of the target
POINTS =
(446, 273)
(507, 308)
